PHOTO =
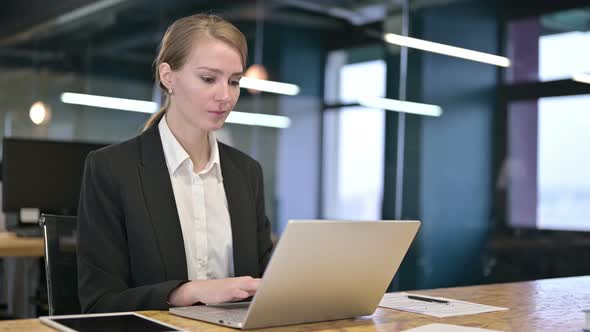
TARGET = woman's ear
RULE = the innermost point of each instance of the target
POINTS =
(165, 75)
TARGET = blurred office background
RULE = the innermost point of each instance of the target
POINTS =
(500, 179)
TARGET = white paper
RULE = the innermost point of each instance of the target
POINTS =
(448, 328)
(400, 301)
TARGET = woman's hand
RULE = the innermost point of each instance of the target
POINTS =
(214, 291)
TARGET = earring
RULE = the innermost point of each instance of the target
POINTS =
(170, 91)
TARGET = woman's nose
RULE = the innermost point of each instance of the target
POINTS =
(223, 93)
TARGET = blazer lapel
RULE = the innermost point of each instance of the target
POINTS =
(159, 198)
(243, 224)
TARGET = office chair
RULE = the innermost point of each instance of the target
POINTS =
(60, 263)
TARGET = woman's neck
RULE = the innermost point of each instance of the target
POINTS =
(194, 140)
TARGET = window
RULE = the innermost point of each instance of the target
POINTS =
(354, 144)
(547, 168)
(549, 47)
(563, 178)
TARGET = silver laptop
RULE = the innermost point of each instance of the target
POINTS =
(320, 270)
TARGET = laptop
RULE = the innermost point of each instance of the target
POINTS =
(320, 270)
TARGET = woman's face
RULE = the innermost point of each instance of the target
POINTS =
(206, 88)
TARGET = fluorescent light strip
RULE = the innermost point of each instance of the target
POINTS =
(252, 119)
(259, 119)
(582, 78)
(269, 86)
(109, 102)
(401, 106)
(458, 52)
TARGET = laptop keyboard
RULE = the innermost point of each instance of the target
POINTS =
(232, 313)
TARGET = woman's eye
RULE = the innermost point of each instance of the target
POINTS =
(235, 83)
(208, 79)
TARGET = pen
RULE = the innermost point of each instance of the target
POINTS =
(427, 299)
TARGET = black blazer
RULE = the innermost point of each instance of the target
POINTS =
(130, 245)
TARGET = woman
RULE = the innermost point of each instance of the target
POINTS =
(172, 217)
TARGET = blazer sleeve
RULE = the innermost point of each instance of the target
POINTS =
(104, 275)
(265, 245)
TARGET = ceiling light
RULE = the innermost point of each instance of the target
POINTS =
(40, 113)
(269, 86)
(582, 78)
(259, 119)
(401, 106)
(252, 119)
(458, 52)
(258, 72)
(109, 102)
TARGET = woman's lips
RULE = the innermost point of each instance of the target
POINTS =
(217, 113)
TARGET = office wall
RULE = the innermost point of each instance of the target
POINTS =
(448, 166)
(301, 53)
(290, 54)
(68, 122)
(81, 123)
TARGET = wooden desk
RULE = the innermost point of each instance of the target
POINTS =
(543, 305)
(13, 246)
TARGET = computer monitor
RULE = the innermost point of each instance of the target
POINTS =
(42, 174)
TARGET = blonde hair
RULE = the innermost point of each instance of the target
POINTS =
(178, 40)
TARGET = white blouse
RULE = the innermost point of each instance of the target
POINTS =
(202, 209)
